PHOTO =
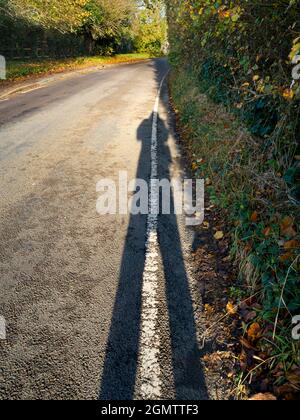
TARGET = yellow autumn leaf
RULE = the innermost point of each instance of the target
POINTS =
(254, 332)
(288, 94)
(219, 235)
(231, 309)
(208, 308)
(225, 14)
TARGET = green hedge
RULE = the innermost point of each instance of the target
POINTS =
(241, 54)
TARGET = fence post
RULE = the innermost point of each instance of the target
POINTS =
(2, 67)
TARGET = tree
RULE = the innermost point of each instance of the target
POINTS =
(150, 27)
(105, 21)
(104, 24)
(62, 15)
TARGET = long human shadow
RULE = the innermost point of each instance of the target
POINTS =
(121, 362)
(120, 368)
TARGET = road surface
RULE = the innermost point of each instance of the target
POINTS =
(73, 282)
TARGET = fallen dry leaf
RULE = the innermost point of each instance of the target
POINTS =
(254, 332)
(249, 316)
(263, 397)
(285, 389)
(286, 227)
(286, 257)
(243, 360)
(248, 247)
(267, 232)
(294, 377)
(219, 235)
(293, 244)
(231, 309)
(254, 217)
(288, 94)
(245, 343)
(209, 309)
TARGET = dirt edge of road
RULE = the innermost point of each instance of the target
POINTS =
(215, 274)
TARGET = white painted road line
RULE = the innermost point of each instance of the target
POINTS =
(150, 337)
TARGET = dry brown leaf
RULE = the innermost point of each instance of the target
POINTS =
(249, 316)
(245, 343)
(287, 227)
(263, 397)
(293, 244)
(290, 232)
(267, 232)
(254, 217)
(286, 257)
(248, 247)
(285, 389)
(243, 360)
(294, 377)
(254, 332)
(286, 222)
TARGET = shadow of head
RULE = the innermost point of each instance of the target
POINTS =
(147, 129)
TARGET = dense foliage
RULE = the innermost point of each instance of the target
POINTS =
(149, 29)
(81, 26)
(244, 54)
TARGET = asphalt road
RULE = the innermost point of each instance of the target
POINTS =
(71, 280)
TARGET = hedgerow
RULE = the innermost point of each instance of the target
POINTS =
(243, 55)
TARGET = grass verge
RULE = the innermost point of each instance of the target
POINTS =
(261, 220)
(20, 70)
